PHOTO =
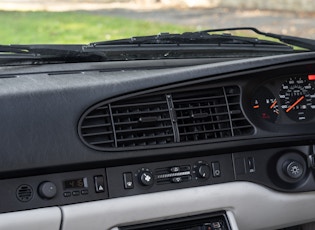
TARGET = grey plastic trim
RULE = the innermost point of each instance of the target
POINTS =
(249, 206)
(38, 219)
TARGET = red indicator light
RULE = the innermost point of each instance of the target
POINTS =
(311, 77)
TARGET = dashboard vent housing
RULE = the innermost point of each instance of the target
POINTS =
(184, 115)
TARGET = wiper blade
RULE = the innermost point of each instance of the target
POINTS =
(200, 37)
(291, 40)
(215, 36)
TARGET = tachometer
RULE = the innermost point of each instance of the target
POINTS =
(296, 97)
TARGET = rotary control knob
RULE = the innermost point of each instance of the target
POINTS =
(47, 190)
(293, 169)
(146, 178)
(203, 171)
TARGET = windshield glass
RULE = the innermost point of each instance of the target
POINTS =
(140, 26)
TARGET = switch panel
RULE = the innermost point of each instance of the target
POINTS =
(169, 175)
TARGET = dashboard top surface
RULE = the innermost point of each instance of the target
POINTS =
(42, 106)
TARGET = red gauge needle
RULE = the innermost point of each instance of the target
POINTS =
(294, 104)
(273, 104)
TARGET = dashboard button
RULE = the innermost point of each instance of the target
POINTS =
(175, 169)
(99, 184)
(84, 192)
(216, 171)
(177, 180)
(75, 193)
(67, 194)
(128, 180)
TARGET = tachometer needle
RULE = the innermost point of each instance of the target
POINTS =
(294, 104)
(273, 104)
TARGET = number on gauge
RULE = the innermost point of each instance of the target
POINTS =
(296, 97)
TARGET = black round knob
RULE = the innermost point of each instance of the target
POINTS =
(294, 169)
(47, 190)
(146, 178)
(203, 171)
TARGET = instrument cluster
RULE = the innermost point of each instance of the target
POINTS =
(285, 100)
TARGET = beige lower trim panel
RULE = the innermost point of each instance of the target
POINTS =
(252, 206)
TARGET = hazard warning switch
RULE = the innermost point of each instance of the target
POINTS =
(99, 184)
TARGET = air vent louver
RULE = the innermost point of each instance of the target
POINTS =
(202, 115)
(141, 122)
(185, 115)
(96, 128)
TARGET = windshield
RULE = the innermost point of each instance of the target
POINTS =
(103, 30)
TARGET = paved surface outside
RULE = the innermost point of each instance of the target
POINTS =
(292, 23)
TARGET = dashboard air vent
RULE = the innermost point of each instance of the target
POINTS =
(96, 128)
(202, 114)
(210, 114)
(142, 121)
(189, 114)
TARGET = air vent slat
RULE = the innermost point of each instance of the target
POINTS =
(207, 131)
(95, 126)
(204, 123)
(143, 129)
(97, 116)
(101, 142)
(136, 105)
(144, 138)
(118, 123)
(137, 113)
(198, 99)
(201, 107)
(96, 134)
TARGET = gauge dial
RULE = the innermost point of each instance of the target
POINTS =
(296, 96)
(265, 105)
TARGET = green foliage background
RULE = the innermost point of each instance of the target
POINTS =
(73, 27)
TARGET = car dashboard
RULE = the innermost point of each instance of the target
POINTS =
(159, 144)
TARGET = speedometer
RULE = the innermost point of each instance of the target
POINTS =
(297, 98)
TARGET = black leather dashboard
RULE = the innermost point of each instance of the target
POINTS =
(43, 107)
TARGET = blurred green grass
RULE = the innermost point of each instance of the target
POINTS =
(74, 27)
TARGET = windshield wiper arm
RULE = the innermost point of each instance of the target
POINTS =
(46, 54)
(291, 40)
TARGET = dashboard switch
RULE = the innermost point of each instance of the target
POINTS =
(99, 184)
(251, 164)
(216, 171)
(128, 180)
